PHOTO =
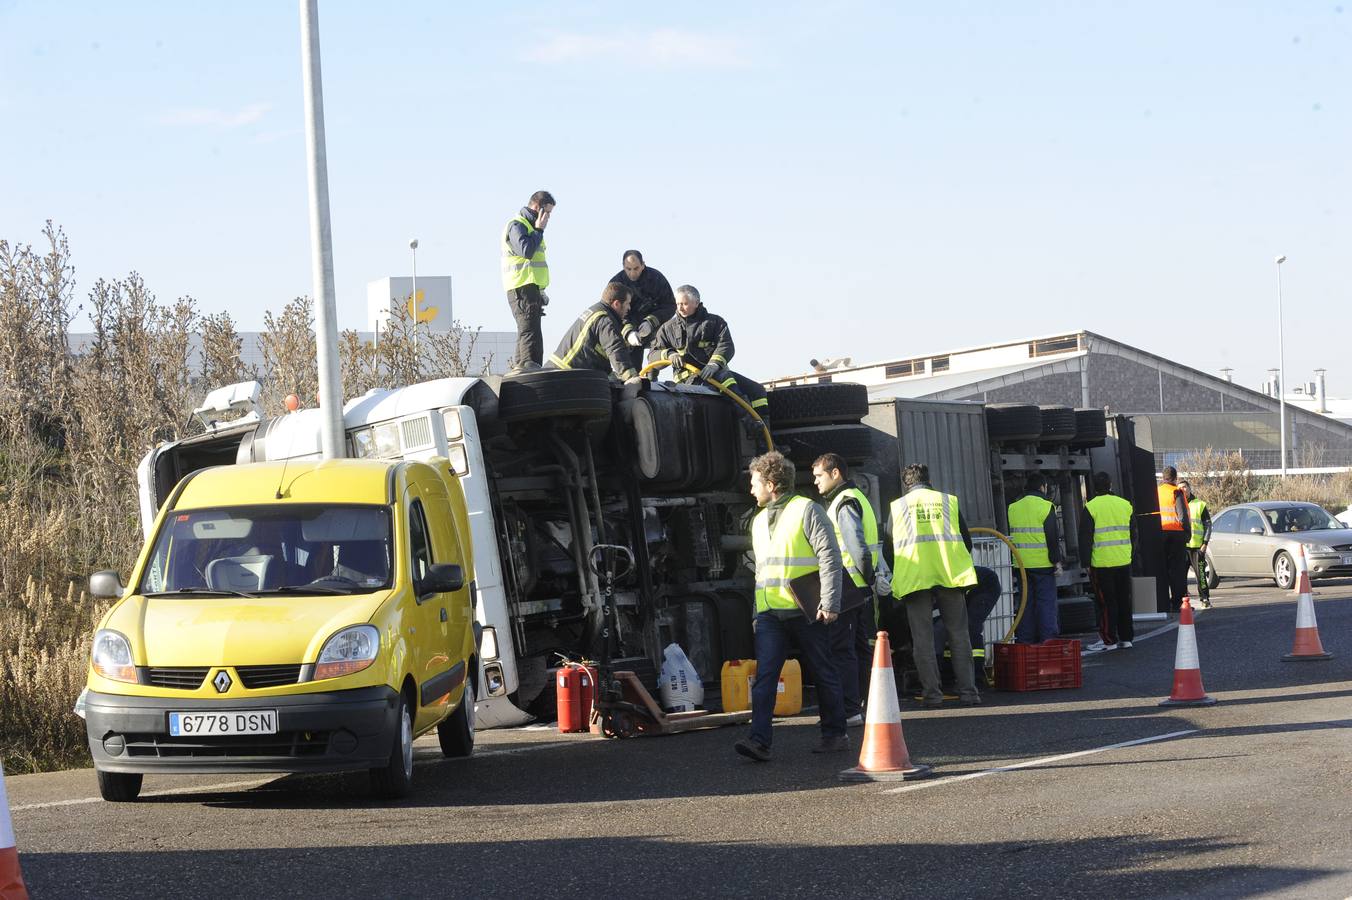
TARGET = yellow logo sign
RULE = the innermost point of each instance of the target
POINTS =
(417, 313)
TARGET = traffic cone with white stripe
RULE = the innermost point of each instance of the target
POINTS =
(1188, 690)
(1307, 646)
(11, 880)
(883, 756)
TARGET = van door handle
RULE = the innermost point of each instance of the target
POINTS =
(443, 614)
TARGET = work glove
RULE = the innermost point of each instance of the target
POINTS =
(645, 330)
(710, 372)
(544, 299)
(677, 360)
(633, 379)
(632, 339)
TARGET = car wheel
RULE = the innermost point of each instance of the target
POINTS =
(1284, 571)
(395, 778)
(1212, 579)
(456, 732)
(119, 787)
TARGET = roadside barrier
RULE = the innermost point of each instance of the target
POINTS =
(11, 880)
(883, 756)
(1188, 690)
(1307, 646)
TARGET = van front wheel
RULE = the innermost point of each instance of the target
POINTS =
(395, 778)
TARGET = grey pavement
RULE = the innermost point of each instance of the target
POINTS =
(1253, 799)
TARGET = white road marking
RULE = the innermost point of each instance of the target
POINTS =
(920, 785)
(241, 785)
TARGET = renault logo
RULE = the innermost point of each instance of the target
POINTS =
(222, 681)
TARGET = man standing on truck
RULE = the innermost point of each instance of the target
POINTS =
(1199, 535)
(1033, 530)
(654, 302)
(792, 538)
(932, 566)
(525, 275)
(856, 528)
(697, 337)
(594, 341)
(1107, 528)
(1175, 527)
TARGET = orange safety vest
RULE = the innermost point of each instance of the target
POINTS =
(1169, 520)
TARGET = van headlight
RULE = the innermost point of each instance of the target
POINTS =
(348, 651)
(111, 656)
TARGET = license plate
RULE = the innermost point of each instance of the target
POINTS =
(225, 723)
(1347, 559)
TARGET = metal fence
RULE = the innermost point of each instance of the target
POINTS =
(993, 553)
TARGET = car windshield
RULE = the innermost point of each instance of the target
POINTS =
(1300, 518)
(277, 549)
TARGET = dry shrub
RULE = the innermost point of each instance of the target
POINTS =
(1224, 479)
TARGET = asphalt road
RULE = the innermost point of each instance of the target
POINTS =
(1249, 798)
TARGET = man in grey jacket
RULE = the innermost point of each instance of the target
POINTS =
(792, 539)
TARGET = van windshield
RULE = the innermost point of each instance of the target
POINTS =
(272, 549)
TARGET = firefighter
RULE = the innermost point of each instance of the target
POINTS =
(525, 275)
(791, 538)
(932, 565)
(654, 303)
(1199, 535)
(1176, 528)
(695, 336)
(594, 341)
(856, 527)
(1033, 530)
(1107, 529)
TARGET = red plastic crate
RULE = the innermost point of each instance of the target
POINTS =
(1037, 667)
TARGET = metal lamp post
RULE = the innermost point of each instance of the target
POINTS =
(413, 247)
(1281, 363)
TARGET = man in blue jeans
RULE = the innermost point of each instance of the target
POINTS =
(1033, 529)
(792, 538)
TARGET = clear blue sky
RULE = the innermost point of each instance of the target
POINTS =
(838, 178)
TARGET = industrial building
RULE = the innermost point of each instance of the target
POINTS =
(1178, 410)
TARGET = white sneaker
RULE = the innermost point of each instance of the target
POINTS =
(855, 720)
(1099, 645)
(1123, 644)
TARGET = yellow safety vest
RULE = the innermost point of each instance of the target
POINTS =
(1195, 509)
(927, 544)
(517, 271)
(870, 533)
(1111, 516)
(1027, 530)
(781, 556)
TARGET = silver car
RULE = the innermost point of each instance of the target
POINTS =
(1256, 540)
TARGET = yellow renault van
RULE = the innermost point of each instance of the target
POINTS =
(289, 617)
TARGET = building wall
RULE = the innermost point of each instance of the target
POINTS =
(1058, 388)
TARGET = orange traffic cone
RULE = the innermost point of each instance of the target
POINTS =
(11, 881)
(1188, 690)
(1307, 645)
(884, 757)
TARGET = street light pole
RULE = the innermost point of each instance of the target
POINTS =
(1281, 363)
(413, 246)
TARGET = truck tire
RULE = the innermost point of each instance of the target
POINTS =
(818, 404)
(1077, 615)
(1013, 422)
(803, 445)
(548, 393)
(1058, 424)
(1091, 428)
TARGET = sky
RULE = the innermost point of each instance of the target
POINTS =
(871, 180)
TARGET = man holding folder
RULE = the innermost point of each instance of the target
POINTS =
(798, 581)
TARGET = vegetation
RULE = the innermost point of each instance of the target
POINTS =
(1223, 479)
(74, 423)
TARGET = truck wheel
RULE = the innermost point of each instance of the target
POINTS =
(1091, 428)
(803, 445)
(1013, 422)
(456, 732)
(1076, 615)
(119, 787)
(395, 779)
(1284, 571)
(818, 404)
(1058, 424)
(547, 393)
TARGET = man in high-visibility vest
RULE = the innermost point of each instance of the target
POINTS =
(594, 342)
(1033, 530)
(932, 565)
(1199, 535)
(856, 527)
(1175, 527)
(792, 539)
(525, 275)
(1106, 531)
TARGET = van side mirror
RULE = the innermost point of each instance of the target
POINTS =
(106, 585)
(442, 578)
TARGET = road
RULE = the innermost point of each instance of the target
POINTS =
(1249, 798)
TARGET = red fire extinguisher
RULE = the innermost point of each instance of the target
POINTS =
(575, 688)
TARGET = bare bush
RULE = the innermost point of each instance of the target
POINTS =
(289, 366)
(221, 349)
(1222, 478)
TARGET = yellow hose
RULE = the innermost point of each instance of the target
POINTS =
(1023, 575)
(694, 370)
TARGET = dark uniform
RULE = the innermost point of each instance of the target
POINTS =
(701, 339)
(654, 303)
(594, 342)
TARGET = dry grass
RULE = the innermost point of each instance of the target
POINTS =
(73, 427)
(1223, 479)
